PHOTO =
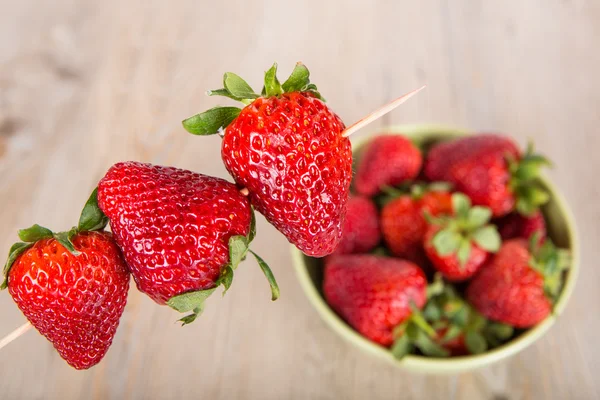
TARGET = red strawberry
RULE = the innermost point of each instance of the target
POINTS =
(71, 286)
(458, 246)
(361, 227)
(403, 222)
(182, 233)
(286, 147)
(387, 160)
(491, 171)
(373, 293)
(519, 285)
(515, 226)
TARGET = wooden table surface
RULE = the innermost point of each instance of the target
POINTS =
(85, 84)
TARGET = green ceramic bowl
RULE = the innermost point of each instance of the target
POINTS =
(561, 228)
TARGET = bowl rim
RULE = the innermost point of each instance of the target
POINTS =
(454, 364)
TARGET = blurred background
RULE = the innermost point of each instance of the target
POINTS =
(85, 84)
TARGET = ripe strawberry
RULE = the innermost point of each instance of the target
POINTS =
(182, 233)
(458, 246)
(515, 226)
(387, 160)
(519, 285)
(72, 286)
(403, 222)
(361, 227)
(373, 293)
(491, 171)
(285, 147)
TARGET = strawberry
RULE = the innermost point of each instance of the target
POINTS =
(520, 284)
(373, 293)
(516, 225)
(459, 245)
(387, 160)
(491, 171)
(182, 233)
(286, 147)
(381, 298)
(460, 329)
(361, 227)
(72, 286)
(403, 222)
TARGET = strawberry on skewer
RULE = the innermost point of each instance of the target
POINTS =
(290, 151)
(72, 286)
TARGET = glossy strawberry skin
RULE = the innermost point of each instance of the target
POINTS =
(373, 293)
(477, 166)
(173, 225)
(361, 228)
(289, 152)
(404, 226)
(508, 290)
(450, 266)
(74, 301)
(514, 226)
(387, 160)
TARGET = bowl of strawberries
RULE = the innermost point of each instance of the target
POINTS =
(456, 253)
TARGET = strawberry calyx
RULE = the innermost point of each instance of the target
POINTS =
(449, 314)
(469, 225)
(239, 247)
(416, 191)
(91, 219)
(551, 262)
(217, 119)
(524, 181)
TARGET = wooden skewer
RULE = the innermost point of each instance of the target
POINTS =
(379, 112)
(15, 334)
(245, 191)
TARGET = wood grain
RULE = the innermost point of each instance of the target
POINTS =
(86, 84)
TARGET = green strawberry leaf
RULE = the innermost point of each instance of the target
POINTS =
(530, 198)
(211, 121)
(475, 342)
(222, 92)
(417, 319)
(15, 251)
(429, 347)
(446, 242)
(464, 252)
(401, 347)
(64, 238)
(272, 85)
(238, 87)
(190, 301)
(478, 216)
(461, 204)
(500, 331)
(453, 332)
(298, 79)
(269, 275)
(34, 233)
(436, 287)
(252, 233)
(238, 247)
(312, 88)
(225, 279)
(488, 238)
(92, 218)
(432, 312)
